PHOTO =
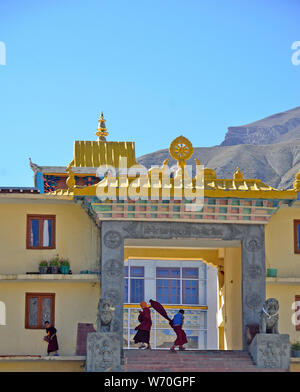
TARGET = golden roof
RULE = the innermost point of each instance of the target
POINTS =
(101, 153)
(159, 180)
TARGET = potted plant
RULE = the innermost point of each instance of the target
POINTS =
(272, 272)
(54, 265)
(43, 267)
(64, 266)
(295, 349)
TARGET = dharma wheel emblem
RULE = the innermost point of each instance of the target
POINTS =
(181, 149)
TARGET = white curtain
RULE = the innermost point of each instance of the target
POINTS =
(46, 238)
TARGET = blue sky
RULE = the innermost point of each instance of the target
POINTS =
(157, 69)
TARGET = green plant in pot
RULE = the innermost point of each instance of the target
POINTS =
(54, 265)
(64, 266)
(43, 267)
(295, 349)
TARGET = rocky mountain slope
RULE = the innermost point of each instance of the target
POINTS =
(279, 127)
(275, 163)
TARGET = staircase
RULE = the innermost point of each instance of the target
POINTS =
(190, 361)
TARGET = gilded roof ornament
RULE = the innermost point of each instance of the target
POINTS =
(296, 183)
(238, 175)
(70, 181)
(101, 130)
(181, 149)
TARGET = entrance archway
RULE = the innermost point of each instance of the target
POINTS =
(221, 303)
(249, 236)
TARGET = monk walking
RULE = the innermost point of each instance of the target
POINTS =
(143, 330)
(177, 324)
(51, 339)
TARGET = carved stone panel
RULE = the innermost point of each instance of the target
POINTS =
(112, 239)
(103, 352)
(270, 350)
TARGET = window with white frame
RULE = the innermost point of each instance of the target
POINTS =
(134, 285)
(186, 286)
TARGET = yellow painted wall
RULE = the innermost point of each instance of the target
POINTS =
(75, 302)
(279, 237)
(77, 238)
(294, 366)
(42, 366)
(285, 294)
(233, 299)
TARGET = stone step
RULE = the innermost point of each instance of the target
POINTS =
(190, 361)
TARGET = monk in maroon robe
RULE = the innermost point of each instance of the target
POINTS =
(177, 324)
(143, 330)
(51, 339)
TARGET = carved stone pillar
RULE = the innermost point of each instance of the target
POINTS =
(253, 275)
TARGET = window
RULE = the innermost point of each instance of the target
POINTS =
(40, 232)
(40, 307)
(2, 313)
(133, 284)
(168, 285)
(297, 236)
(180, 285)
(297, 312)
(190, 286)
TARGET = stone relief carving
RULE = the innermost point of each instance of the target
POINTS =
(253, 244)
(269, 355)
(106, 313)
(254, 271)
(114, 296)
(253, 300)
(112, 269)
(112, 239)
(269, 316)
(182, 230)
(105, 357)
(103, 352)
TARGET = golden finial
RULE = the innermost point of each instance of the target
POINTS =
(71, 179)
(296, 183)
(238, 175)
(101, 130)
(181, 149)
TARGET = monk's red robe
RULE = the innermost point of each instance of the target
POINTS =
(145, 320)
(52, 340)
(181, 336)
(143, 329)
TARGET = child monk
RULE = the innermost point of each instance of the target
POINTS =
(51, 339)
(177, 324)
(143, 330)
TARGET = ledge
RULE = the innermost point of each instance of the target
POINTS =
(287, 280)
(49, 277)
(14, 358)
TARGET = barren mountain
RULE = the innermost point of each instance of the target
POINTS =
(268, 149)
(275, 164)
(273, 129)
